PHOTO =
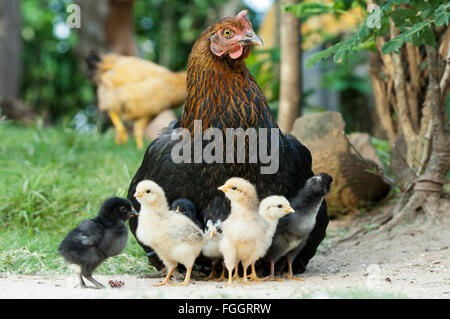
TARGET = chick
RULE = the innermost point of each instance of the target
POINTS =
(174, 237)
(94, 240)
(271, 208)
(247, 233)
(188, 209)
(293, 230)
(211, 248)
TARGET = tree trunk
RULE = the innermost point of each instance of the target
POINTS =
(10, 47)
(290, 70)
(106, 25)
(424, 193)
(119, 27)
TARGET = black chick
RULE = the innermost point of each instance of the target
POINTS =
(96, 239)
(188, 209)
(293, 230)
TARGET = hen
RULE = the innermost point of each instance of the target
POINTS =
(134, 89)
(222, 93)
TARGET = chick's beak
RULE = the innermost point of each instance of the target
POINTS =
(178, 209)
(213, 232)
(251, 39)
(134, 212)
(138, 195)
(289, 210)
(223, 188)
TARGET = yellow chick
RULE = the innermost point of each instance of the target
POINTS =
(174, 237)
(248, 231)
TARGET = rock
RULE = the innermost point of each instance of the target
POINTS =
(353, 186)
(160, 122)
(361, 141)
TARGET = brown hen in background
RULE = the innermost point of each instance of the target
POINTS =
(136, 90)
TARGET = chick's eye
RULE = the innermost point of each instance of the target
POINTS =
(234, 188)
(280, 206)
(123, 209)
(147, 191)
(227, 33)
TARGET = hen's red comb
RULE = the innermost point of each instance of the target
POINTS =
(241, 16)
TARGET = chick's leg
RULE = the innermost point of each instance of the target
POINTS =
(121, 131)
(82, 283)
(187, 279)
(222, 276)
(230, 276)
(236, 272)
(245, 281)
(212, 274)
(138, 129)
(254, 276)
(95, 282)
(290, 274)
(272, 272)
(166, 280)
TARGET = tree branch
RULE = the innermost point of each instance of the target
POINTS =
(445, 77)
(400, 90)
(382, 106)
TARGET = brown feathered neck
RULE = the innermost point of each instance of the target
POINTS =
(220, 91)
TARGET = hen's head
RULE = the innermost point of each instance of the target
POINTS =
(233, 37)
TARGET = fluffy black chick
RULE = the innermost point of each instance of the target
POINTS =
(94, 240)
(188, 209)
(294, 229)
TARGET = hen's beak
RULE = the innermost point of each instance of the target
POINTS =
(138, 195)
(289, 210)
(178, 209)
(223, 188)
(251, 39)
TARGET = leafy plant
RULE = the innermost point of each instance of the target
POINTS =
(414, 25)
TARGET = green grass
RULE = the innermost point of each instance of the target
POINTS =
(50, 180)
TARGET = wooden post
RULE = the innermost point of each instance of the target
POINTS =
(290, 69)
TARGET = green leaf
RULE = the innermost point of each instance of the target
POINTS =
(307, 9)
(402, 16)
(322, 55)
(441, 16)
(418, 34)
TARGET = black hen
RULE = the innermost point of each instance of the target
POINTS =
(96, 239)
(222, 93)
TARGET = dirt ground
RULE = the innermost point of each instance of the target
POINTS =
(402, 263)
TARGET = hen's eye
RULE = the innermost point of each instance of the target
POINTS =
(280, 206)
(123, 209)
(227, 33)
(234, 188)
(147, 191)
